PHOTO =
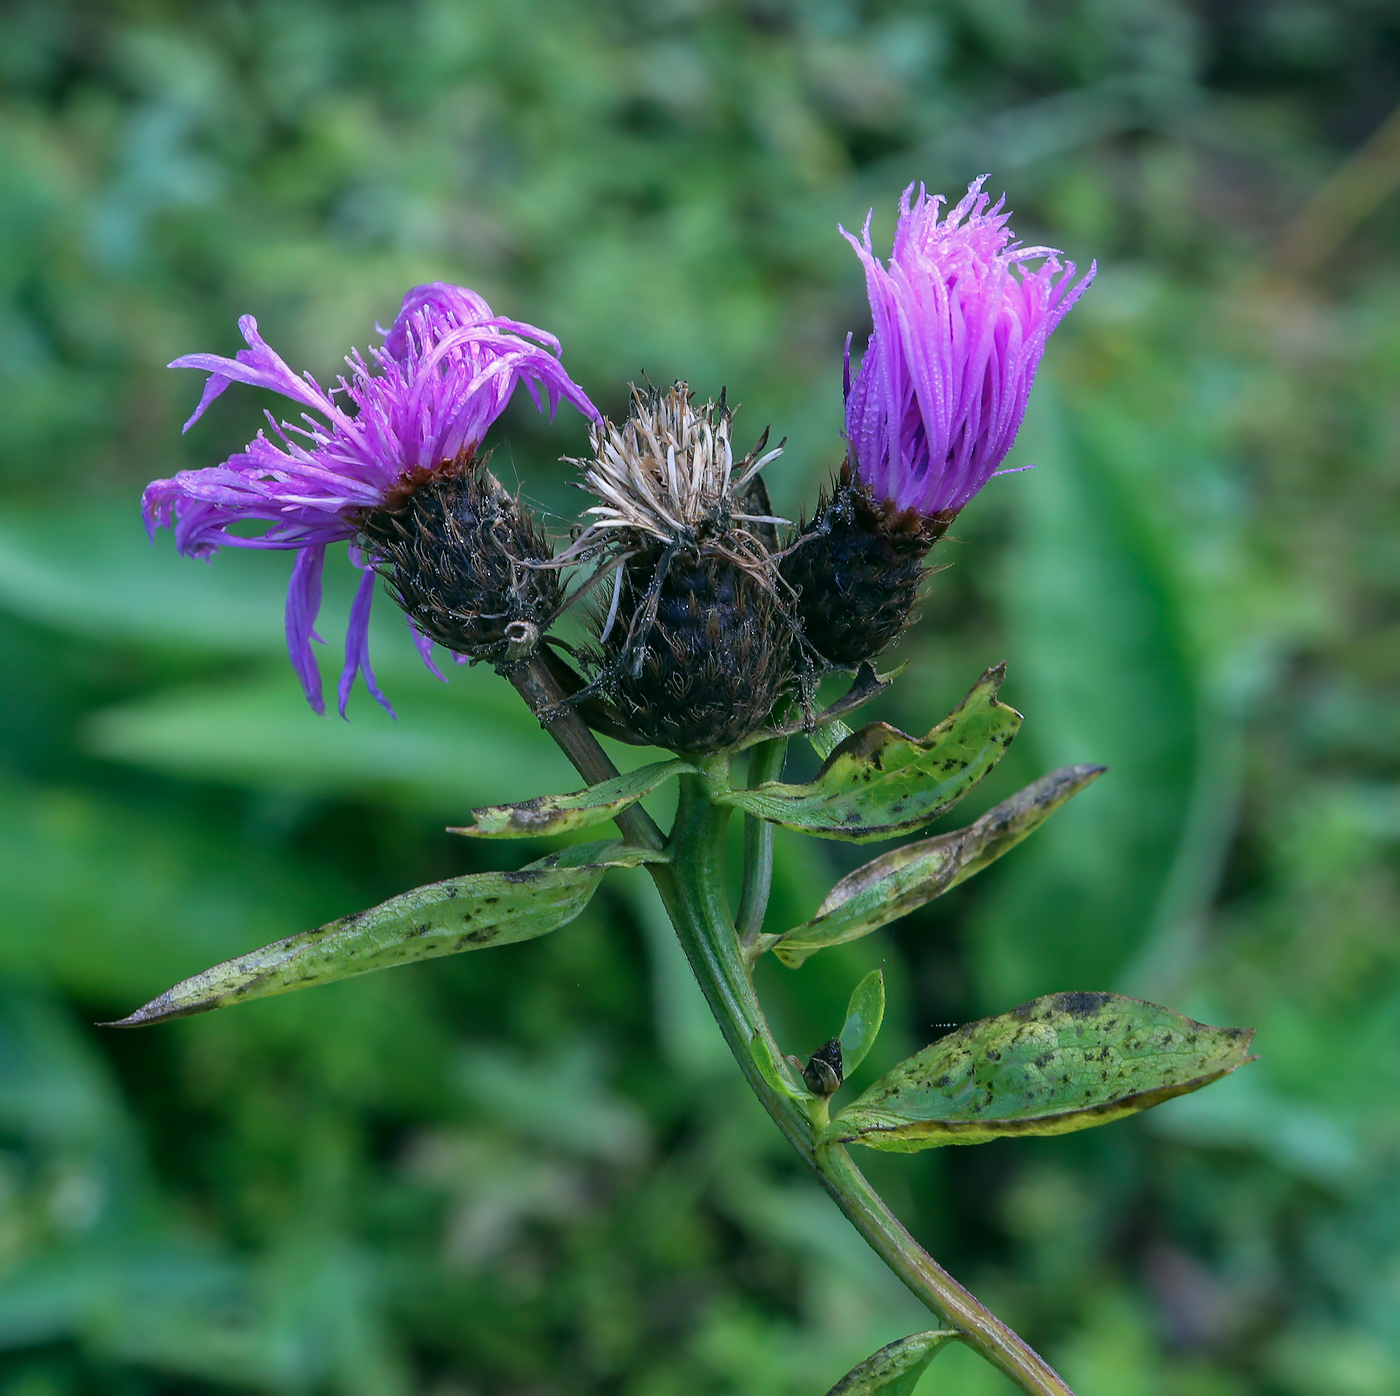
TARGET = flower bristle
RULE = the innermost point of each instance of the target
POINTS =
(668, 475)
(456, 549)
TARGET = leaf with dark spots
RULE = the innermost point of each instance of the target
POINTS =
(880, 781)
(418, 925)
(897, 883)
(560, 814)
(1059, 1063)
(1081, 1005)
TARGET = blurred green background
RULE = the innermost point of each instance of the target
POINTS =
(534, 1172)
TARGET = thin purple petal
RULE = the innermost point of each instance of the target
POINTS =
(303, 606)
(357, 646)
(960, 322)
(425, 651)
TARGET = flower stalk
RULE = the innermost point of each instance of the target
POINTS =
(692, 889)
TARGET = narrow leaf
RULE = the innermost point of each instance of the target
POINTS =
(1056, 1064)
(771, 1072)
(881, 782)
(828, 737)
(559, 814)
(864, 1014)
(903, 880)
(444, 918)
(894, 1370)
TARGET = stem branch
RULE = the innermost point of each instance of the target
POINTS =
(765, 763)
(978, 1326)
(546, 699)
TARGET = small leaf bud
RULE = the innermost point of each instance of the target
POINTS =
(823, 1074)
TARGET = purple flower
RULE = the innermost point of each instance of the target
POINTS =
(960, 324)
(445, 372)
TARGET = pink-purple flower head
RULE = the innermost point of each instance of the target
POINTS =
(960, 323)
(427, 396)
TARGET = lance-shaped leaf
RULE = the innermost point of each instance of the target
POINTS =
(1056, 1064)
(559, 814)
(864, 1014)
(881, 782)
(899, 882)
(894, 1370)
(444, 918)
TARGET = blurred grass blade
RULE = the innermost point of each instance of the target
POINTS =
(881, 782)
(559, 814)
(1059, 1063)
(453, 746)
(903, 880)
(894, 1370)
(444, 918)
(864, 1014)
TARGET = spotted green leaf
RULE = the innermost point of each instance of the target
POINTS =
(864, 1014)
(880, 781)
(894, 1370)
(444, 918)
(1055, 1064)
(899, 882)
(559, 814)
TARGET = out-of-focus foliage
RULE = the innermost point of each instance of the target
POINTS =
(354, 1191)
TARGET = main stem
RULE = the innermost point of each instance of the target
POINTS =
(692, 888)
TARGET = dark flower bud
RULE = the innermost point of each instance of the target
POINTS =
(856, 570)
(824, 1073)
(698, 652)
(456, 549)
(697, 643)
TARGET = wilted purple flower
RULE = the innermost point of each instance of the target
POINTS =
(960, 324)
(427, 396)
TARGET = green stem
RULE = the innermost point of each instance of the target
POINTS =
(547, 700)
(977, 1325)
(765, 763)
(692, 888)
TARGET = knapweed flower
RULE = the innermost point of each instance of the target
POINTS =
(960, 325)
(408, 419)
(961, 317)
(694, 648)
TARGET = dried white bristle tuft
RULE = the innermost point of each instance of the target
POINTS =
(669, 472)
